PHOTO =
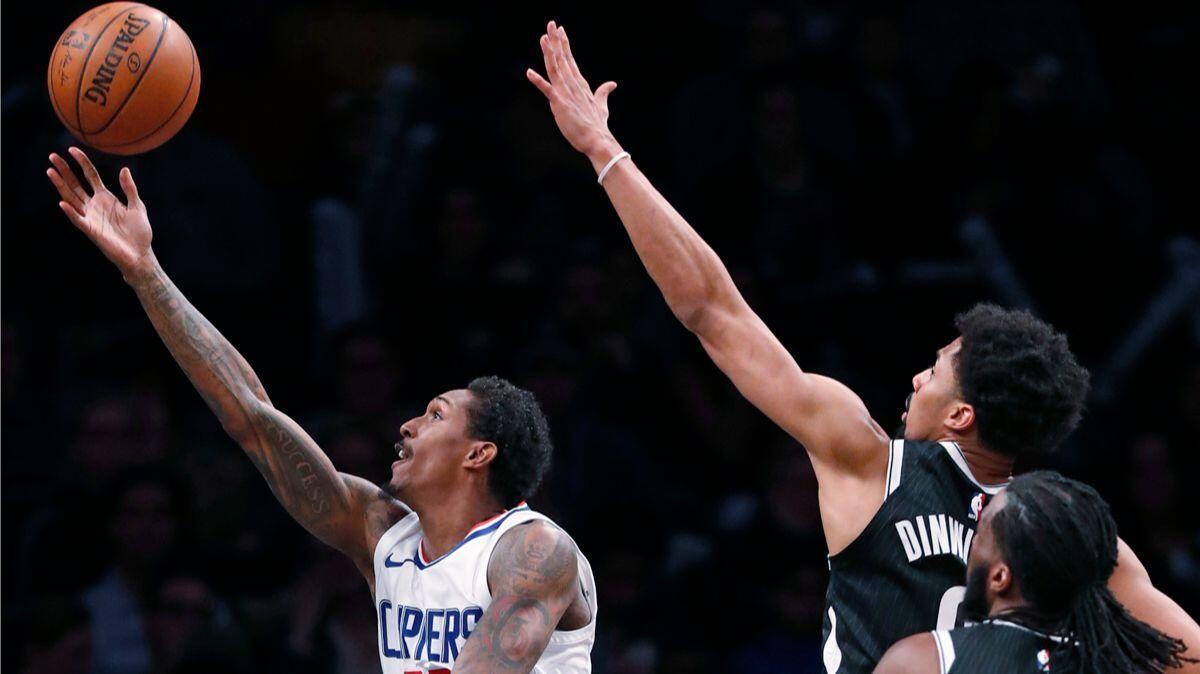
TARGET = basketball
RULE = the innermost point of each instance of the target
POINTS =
(124, 78)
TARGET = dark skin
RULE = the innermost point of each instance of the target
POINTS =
(532, 573)
(848, 449)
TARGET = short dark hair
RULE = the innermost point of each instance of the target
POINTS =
(1059, 538)
(1018, 373)
(510, 417)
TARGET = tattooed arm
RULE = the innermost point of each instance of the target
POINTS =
(346, 512)
(534, 577)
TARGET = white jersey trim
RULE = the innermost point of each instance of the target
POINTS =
(945, 649)
(895, 467)
(1058, 639)
(956, 455)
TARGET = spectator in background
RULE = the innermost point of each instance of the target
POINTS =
(144, 521)
(192, 630)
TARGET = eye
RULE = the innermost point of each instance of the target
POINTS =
(437, 415)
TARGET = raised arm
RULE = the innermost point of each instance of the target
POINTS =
(534, 577)
(1131, 585)
(343, 511)
(825, 416)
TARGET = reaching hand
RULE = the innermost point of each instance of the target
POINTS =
(121, 231)
(581, 115)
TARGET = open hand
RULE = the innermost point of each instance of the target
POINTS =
(581, 114)
(120, 230)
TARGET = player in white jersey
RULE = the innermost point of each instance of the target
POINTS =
(464, 574)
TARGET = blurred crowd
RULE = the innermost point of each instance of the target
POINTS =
(374, 206)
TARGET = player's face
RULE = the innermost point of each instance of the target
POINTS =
(981, 562)
(431, 447)
(935, 393)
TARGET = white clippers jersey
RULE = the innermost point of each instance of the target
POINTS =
(427, 609)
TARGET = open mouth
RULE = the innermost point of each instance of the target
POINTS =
(404, 453)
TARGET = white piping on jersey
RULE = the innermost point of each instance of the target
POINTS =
(831, 655)
(1058, 639)
(956, 455)
(945, 649)
(895, 465)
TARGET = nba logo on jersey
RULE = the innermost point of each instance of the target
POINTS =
(976, 506)
(1043, 657)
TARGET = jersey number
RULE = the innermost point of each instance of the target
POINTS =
(948, 607)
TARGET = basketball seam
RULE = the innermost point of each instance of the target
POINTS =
(145, 69)
(83, 72)
(187, 92)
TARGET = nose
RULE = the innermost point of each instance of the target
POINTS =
(919, 379)
(409, 429)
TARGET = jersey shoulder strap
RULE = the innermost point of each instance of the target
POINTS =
(908, 459)
(945, 650)
(406, 527)
(587, 581)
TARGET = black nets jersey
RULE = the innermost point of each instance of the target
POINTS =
(1000, 647)
(904, 573)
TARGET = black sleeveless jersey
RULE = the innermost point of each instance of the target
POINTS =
(904, 573)
(1000, 647)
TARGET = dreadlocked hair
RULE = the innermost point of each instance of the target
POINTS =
(1060, 541)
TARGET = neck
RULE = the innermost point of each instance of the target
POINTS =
(988, 467)
(446, 522)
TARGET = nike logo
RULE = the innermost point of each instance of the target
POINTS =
(387, 562)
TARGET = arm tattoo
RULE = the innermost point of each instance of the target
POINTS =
(533, 573)
(298, 472)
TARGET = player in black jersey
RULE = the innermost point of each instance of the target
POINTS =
(897, 516)
(1037, 575)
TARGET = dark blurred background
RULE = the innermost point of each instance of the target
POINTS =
(374, 206)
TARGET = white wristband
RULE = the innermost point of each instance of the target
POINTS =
(607, 167)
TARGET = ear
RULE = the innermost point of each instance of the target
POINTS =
(961, 417)
(479, 454)
(1000, 579)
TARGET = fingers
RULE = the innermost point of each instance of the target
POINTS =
(602, 93)
(566, 76)
(68, 196)
(539, 82)
(129, 187)
(89, 170)
(75, 218)
(548, 57)
(565, 44)
(63, 169)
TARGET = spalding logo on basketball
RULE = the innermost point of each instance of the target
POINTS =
(124, 78)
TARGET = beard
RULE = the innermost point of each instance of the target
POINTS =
(388, 488)
(974, 604)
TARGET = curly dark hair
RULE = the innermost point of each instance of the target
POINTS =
(511, 418)
(1018, 373)
(1065, 584)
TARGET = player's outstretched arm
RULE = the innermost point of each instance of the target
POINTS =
(534, 577)
(1131, 585)
(829, 419)
(343, 511)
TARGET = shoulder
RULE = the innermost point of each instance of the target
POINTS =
(917, 654)
(533, 557)
(380, 509)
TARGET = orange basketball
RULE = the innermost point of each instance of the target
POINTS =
(124, 78)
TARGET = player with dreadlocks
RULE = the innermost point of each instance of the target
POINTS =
(1037, 578)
